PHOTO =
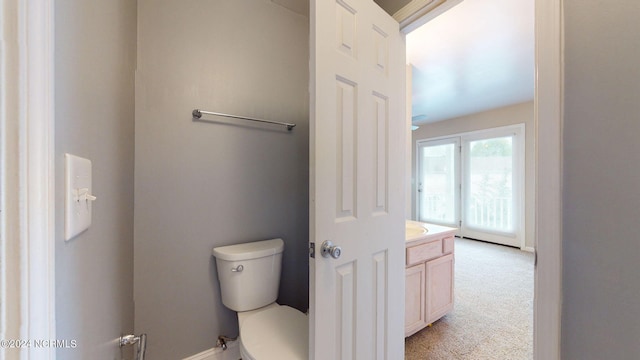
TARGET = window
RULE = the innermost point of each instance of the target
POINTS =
(474, 181)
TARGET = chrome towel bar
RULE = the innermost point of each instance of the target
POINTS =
(198, 114)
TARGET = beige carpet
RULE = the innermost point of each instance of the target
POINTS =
(493, 313)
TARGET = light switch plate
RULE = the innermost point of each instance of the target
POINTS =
(78, 196)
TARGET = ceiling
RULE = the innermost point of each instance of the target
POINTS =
(477, 56)
(298, 6)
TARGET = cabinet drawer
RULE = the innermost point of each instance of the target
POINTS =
(447, 244)
(424, 252)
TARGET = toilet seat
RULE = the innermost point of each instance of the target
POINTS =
(277, 333)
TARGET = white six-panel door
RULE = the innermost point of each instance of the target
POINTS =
(357, 160)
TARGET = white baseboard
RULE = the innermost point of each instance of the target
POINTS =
(216, 353)
(529, 249)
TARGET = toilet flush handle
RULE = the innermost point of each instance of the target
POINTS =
(238, 268)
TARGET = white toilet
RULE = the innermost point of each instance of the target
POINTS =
(249, 276)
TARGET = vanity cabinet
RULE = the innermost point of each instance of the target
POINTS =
(429, 277)
(415, 317)
(439, 287)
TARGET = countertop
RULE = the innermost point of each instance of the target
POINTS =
(434, 232)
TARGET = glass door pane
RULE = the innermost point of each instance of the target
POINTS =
(490, 192)
(438, 181)
(474, 182)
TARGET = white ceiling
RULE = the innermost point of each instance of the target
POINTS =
(477, 56)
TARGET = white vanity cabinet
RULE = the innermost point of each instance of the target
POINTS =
(429, 277)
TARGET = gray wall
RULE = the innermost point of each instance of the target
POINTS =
(601, 197)
(508, 115)
(200, 185)
(95, 58)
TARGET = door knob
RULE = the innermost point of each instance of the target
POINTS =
(328, 249)
(140, 340)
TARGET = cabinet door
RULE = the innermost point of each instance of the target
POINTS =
(414, 311)
(439, 278)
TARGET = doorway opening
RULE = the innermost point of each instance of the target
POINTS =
(473, 106)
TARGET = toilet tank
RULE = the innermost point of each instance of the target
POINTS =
(249, 273)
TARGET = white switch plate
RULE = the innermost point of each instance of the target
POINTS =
(77, 188)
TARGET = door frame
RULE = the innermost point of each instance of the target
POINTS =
(35, 28)
(548, 118)
(28, 228)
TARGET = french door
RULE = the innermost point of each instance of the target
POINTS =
(474, 181)
(439, 181)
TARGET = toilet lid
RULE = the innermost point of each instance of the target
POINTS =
(279, 333)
